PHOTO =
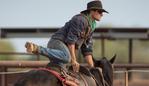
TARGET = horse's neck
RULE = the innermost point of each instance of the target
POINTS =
(108, 77)
(97, 74)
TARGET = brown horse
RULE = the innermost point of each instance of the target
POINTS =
(92, 77)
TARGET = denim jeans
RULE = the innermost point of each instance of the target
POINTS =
(56, 51)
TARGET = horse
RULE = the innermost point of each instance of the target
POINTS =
(90, 77)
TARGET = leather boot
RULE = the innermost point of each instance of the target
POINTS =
(31, 47)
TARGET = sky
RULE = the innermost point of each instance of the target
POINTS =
(54, 13)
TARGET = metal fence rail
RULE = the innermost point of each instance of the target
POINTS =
(4, 65)
(32, 64)
(20, 53)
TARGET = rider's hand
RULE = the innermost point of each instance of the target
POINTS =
(76, 66)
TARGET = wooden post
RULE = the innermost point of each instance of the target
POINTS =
(4, 77)
(38, 57)
(130, 52)
(0, 33)
(126, 78)
(102, 47)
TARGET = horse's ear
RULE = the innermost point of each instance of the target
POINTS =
(113, 59)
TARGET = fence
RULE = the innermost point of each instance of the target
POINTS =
(19, 53)
(6, 75)
(5, 65)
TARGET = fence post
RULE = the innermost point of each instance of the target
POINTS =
(4, 77)
(130, 57)
(126, 78)
(0, 33)
(38, 57)
(102, 47)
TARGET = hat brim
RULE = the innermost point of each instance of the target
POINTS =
(102, 10)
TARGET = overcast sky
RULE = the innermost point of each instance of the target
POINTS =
(54, 13)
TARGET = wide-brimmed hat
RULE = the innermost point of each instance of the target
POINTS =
(95, 5)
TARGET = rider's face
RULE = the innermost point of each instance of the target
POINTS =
(97, 15)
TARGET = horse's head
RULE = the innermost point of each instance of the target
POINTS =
(107, 68)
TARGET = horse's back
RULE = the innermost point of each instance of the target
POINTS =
(36, 78)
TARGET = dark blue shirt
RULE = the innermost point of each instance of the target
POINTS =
(76, 31)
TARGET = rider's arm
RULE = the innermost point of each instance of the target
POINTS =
(76, 27)
(89, 60)
(87, 50)
(71, 48)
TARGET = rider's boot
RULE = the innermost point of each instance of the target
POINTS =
(31, 47)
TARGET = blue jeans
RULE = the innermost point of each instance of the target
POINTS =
(56, 51)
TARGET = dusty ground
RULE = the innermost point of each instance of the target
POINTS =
(132, 83)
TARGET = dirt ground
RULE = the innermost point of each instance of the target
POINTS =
(131, 83)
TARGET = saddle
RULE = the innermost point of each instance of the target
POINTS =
(95, 73)
(69, 75)
(62, 74)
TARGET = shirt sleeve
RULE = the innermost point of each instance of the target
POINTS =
(86, 48)
(76, 26)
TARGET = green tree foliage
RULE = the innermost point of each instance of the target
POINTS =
(6, 46)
